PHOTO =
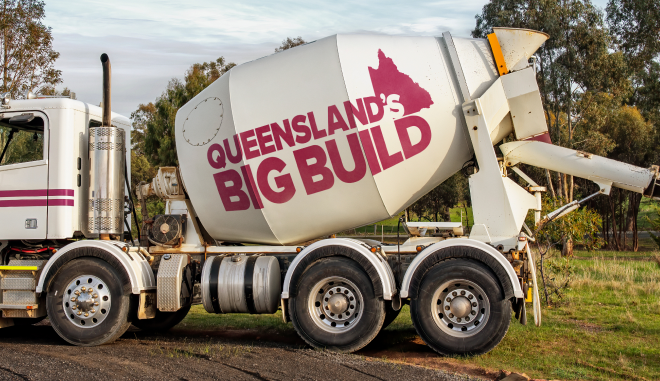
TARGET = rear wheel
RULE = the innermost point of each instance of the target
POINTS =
(335, 306)
(88, 302)
(460, 308)
(163, 320)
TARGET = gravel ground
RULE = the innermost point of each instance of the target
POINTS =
(37, 353)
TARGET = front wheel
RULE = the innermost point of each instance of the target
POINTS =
(88, 302)
(335, 306)
(460, 309)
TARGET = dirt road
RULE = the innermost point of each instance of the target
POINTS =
(37, 353)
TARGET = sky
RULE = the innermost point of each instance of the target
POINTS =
(150, 42)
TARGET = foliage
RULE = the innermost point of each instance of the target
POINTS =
(289, 43)
(435, 205)
(580, 226)
(25, 146)
(50, 90)
(27, 59)
(154, 122)
(575, 61)
(635, 25)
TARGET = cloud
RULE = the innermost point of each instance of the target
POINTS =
(151, 41)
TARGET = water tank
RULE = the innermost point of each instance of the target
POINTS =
(324, 137)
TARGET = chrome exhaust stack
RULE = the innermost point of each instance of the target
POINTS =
(107, 160)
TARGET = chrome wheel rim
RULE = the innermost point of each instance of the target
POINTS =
(460, 308)
(335, 304)
(87, 301)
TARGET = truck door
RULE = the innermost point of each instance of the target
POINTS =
(23, 175)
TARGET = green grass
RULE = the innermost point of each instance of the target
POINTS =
(606, 327)
(198, 318)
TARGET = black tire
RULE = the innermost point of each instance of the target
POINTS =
(390, 314)
(471, 337)
(365, 321)
(115, 319)
(163, 321)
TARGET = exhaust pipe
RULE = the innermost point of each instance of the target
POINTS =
(105, 60)
(107, 161)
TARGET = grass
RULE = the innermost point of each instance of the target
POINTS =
(606, 327)
(198, 318)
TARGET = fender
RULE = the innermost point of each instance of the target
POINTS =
(504, 273)
(361, 249)
(136, 266)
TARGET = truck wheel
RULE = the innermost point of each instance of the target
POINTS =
(390, 314)
(459, 308)
(335, 307)
(88, 302)
(163, 320)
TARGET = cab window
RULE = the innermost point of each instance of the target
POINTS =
(21, 139)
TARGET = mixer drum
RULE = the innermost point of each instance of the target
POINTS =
(327, 136)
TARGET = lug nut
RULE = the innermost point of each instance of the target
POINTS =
(73, 299)
(467, 318)
(77, 292)
(453, 293)
(448, 300)
(447, 308)
(451, 315)
(470, 297)
(462, 292)
(90, 290)
(83, 289)
(458, 320)
(473, 313)
(79, 313)
(92, 311)
(96, 303)
(86, 314)
(74, 307)
(95, 296)
(474, 304)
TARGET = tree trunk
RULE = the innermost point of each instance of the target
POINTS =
(637, 198)
(567, 247)
(615, 237)
(549, 180)
(622, 220)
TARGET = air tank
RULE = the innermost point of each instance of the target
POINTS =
(327, 136)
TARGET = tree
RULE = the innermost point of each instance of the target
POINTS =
(289, 43)
(635, 25)
(436, 205)
(27, 57)
(153, 123)
(575, 61)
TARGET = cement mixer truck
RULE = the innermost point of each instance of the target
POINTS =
(334, 134)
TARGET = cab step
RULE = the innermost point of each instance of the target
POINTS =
(18, 282)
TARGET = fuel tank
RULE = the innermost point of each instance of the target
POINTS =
(334, 134)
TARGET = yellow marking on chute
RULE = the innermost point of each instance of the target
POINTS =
(19, 268)
(497, 54)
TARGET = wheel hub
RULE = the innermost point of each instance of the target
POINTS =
(338, 304)
(461, 307)
(335, 304)
(86, 301)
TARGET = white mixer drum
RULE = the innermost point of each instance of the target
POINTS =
(327, 136)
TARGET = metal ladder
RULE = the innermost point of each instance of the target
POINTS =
(18, 282)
